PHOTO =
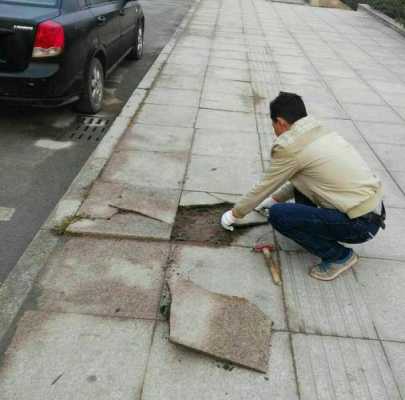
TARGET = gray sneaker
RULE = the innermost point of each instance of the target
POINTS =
(329, 271)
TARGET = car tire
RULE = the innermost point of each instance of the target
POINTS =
(91, 99)
(137, 51)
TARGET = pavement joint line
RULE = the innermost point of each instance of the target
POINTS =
(379, 340)
(18, 284)
(96, 315)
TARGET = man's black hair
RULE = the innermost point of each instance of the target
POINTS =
(288, 106)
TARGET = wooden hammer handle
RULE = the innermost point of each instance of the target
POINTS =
(273, 266)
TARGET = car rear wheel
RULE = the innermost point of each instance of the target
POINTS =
(137, 51)
(91, 100)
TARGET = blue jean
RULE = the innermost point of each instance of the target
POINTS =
(319, 230)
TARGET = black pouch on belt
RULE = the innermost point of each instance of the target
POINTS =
(378, 219)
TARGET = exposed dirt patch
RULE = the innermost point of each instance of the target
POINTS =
(202, 224)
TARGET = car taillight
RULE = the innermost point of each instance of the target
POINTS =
(49, 40)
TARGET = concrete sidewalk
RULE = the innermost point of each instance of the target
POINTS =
(91, 328)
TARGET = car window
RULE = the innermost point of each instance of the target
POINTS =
(43, 3)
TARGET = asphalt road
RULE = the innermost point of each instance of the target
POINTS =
(38, 161)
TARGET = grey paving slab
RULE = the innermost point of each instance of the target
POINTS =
(370, 112)
(188, 59)
(334, 308)
(393, 195)
(175, 97)
(229, 46)
(379, 132)
(97, 204)
(400, 111)
(233, 74)
(383, 279)
(167, 115)
(222, 175)
(226, 63)
(194, 41)
(332, 67)
(300, 79)
(393, 98)
(103, 277)
(174, 372)
(391, 156)
(142, 168)
(344, 369)
(190, 51)
(325, 110)
(165, 139)
(388, 243)
(65, 356)
(227, 86)
(180, 82)
(396, 357)
(158, 204)
(229, 54)
(227, 102)
(290, 64)
(127, 225)
(360, 96)
(202, 198)
(217, 143)
(251, 237)
(229, 328)
(388, 87)
(345, 128)
(373, 161)
(226, 120)
(232, 271)
(183, 70)
(399, 178)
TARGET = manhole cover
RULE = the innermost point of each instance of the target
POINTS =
(89, 128)
(202, 224)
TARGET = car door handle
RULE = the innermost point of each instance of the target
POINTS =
(101, 19)
(122, 11)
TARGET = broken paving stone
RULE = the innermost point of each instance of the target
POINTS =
(227, 327)
(158, 204)
(97, 203)
(189, 199)
(126, 225)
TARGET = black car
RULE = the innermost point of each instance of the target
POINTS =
(55, 52)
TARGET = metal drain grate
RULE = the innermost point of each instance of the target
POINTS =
(89, 129)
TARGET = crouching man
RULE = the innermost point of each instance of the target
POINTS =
(337, 197)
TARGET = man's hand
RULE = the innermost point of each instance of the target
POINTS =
(266, 204)
(227, 220)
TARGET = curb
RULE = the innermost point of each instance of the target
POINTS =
(382, 18)
(19, 282)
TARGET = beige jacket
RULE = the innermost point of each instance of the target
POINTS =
(320, 164)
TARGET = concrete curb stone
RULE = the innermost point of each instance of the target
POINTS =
(383, 18)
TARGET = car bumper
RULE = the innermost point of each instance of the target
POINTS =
(40, 84)
(39, 101)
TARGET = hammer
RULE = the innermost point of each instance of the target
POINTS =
(267, 249)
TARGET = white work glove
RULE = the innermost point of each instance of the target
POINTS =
(227, 220)
(266, 204)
